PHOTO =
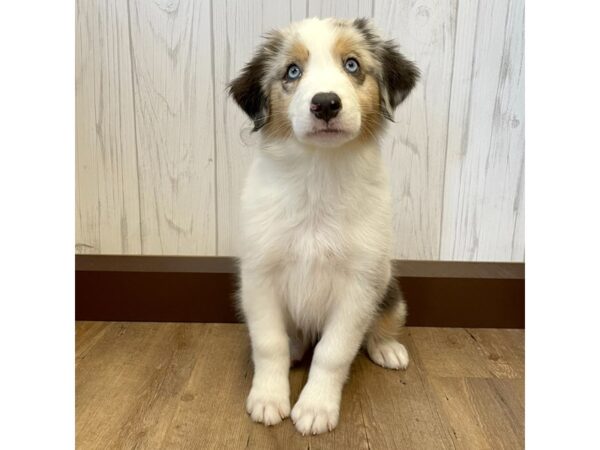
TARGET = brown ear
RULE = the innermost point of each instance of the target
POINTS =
(248, 93)
(399, 76)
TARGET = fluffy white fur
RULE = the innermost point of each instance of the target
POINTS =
(315, 259)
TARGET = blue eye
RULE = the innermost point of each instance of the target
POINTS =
(351, 65)
(293, 72)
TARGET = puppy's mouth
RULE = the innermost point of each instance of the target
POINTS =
(328, 132)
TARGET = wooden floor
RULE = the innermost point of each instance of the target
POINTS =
(175, 386)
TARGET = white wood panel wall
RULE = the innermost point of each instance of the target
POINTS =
(162, 152)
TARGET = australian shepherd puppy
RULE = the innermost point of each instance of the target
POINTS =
(316, 213)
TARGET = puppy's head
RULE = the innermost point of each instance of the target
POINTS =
(324, 82)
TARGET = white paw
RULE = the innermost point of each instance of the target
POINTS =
(314, 415)
(390, 354)
(267, 406)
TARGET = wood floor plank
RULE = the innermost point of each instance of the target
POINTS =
(210, 414)
(479, 353)
(511, 392)
(449, 352)
(397, 407)
(87, 335)
(130, 383)
(504, 350)
(477, 414)
(167, 385)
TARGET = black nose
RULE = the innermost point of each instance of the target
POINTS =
(325, 105)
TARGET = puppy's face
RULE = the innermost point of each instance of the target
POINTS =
(324, 82)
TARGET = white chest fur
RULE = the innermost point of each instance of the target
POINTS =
(311, 218)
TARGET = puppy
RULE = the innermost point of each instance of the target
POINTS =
(316, 213)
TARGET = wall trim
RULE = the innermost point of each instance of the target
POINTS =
(202, 289)
(227, 264)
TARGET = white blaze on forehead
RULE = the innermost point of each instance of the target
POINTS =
(323, 71)
(319, 37)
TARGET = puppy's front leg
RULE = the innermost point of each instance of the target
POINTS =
(269, 398)
(317, 409)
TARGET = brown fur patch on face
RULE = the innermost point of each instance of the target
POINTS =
(278, 125)
(351, 44)
(370, 108)
(346, 43)
(298, 53)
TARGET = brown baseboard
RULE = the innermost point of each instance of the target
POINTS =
(190, 289)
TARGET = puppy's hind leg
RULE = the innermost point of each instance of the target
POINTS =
(382, 340)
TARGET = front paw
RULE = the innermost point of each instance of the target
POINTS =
(315, 414)
(267, 406)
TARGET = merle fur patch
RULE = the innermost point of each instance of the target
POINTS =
(398, 75)
(248, 88)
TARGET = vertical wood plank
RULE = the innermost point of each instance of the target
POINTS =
(107, 201)
(414, 146)
(298, 9)
(483, 192)
(237, 29)
(171, 51)
(342, 10)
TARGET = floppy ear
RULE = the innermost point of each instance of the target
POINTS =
(399, 76)
(248, 92)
